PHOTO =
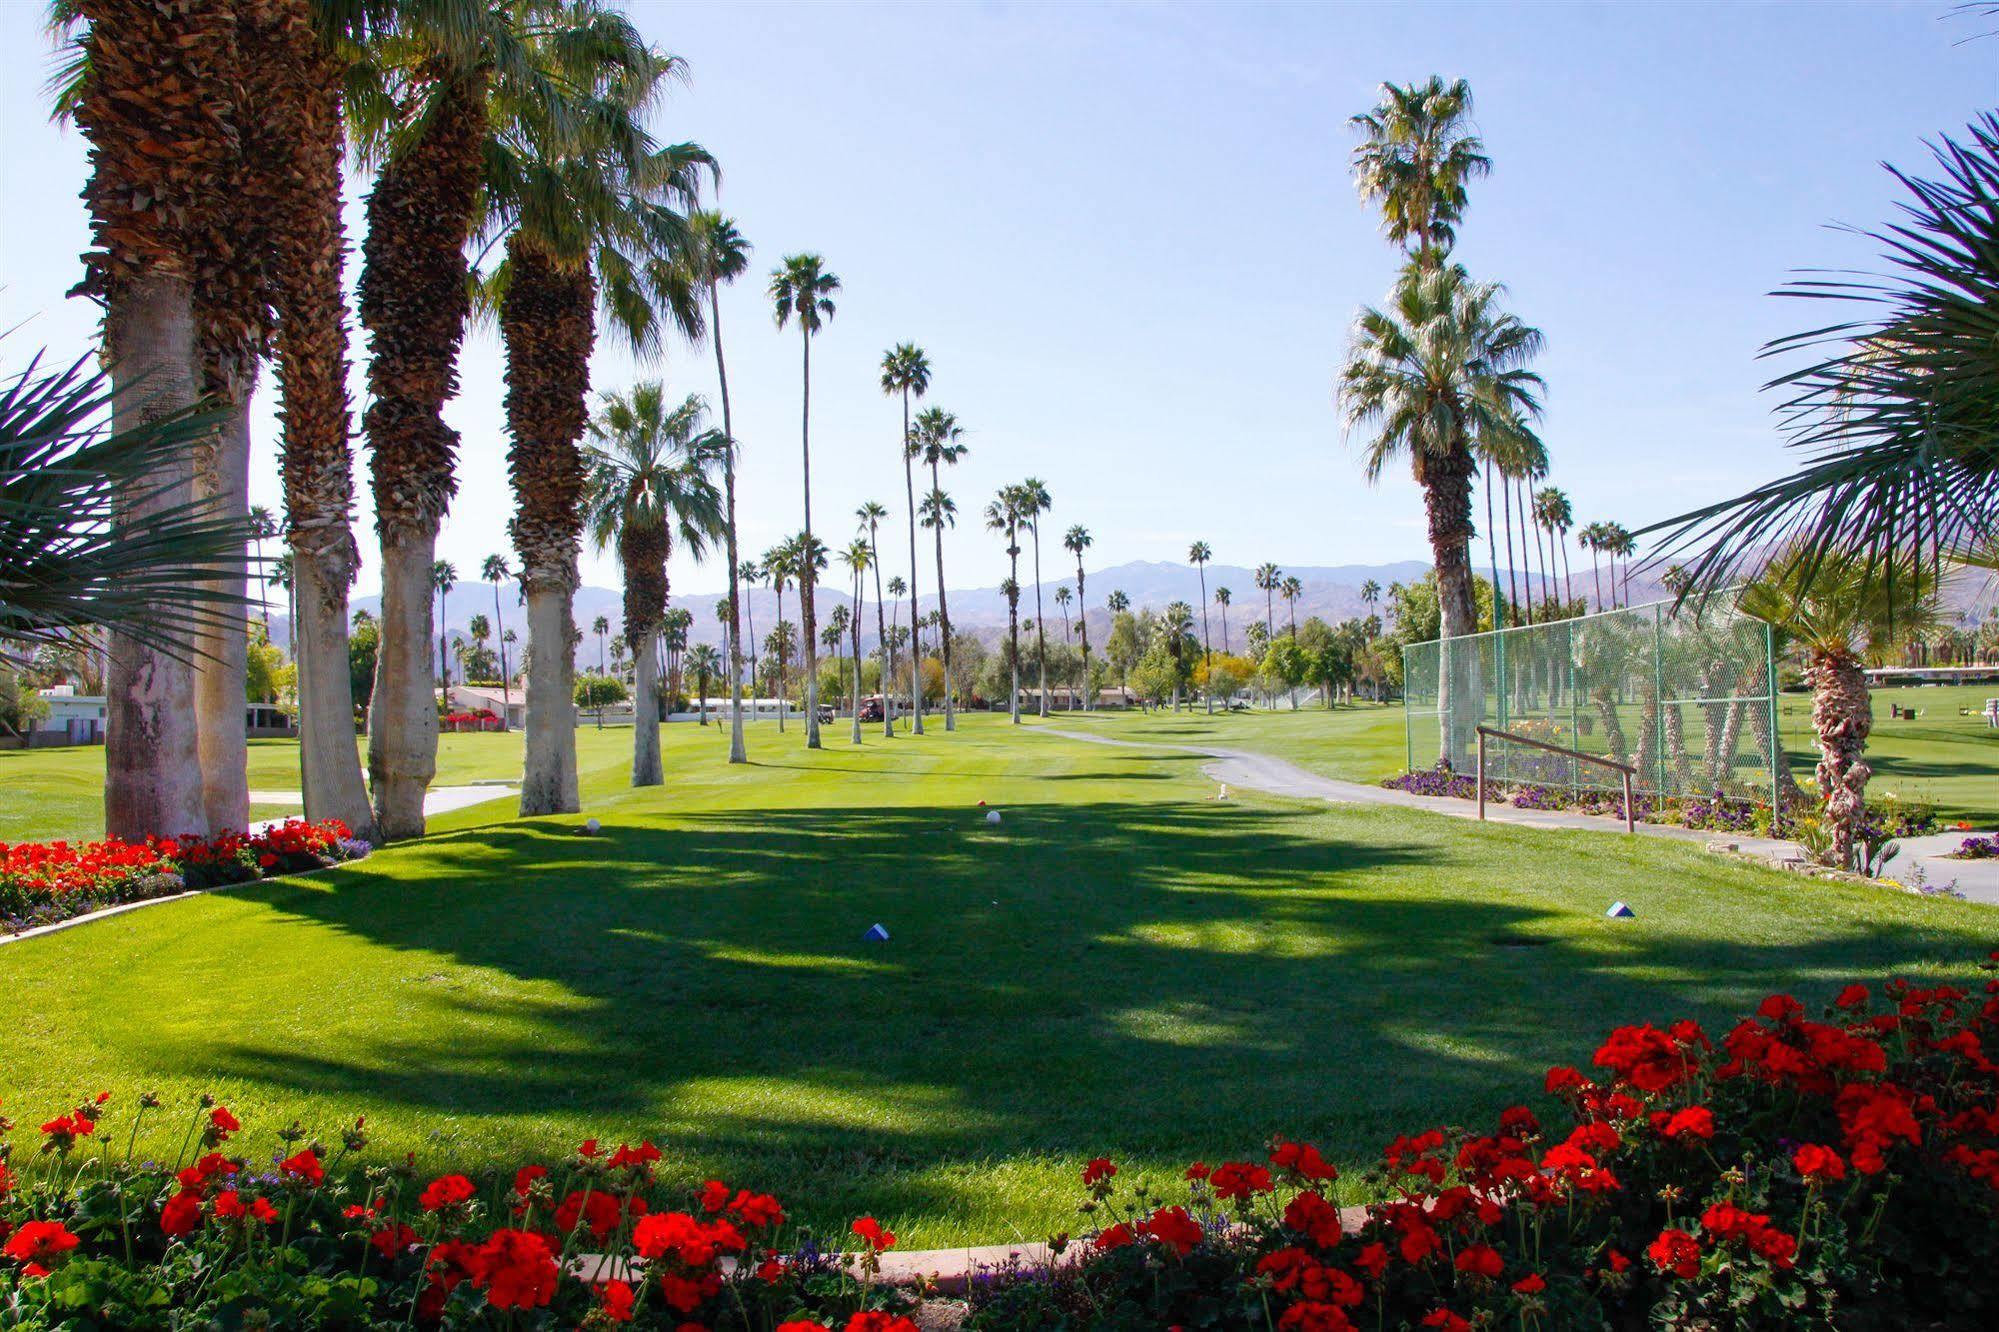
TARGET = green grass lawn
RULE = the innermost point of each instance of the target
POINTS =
(1362, 743)
(1123, 966)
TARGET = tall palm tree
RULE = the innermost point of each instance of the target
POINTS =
(801, 289)
(1415, 158)
(859, 557)
(938, 442)
(1552, 505)
(284, 575)
(1370, 595)
(1587, 539)
(443, 577)
(1077, 540)
(1035, 501)
(1291, 589)
(870, 516)
(778, 564)
(906, 371)
(747, 575)
(1222, 599)
(1198, 555)
(651, 479)
(1177, 623)
(1005, 513)
(263, 526)
(1844, 613)
(601, 627)
(937, 512)
(714, 253)
(157, 101)
(1063, 596)
(1268, 577)
(495, 571)
(892, 646)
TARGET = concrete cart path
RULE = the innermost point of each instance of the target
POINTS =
(1239, 767)
(437, 800)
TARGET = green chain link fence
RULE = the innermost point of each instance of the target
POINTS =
(1687, 697)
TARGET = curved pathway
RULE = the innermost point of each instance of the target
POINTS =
(1242, 767)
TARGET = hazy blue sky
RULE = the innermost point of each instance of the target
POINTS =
(1128, 238)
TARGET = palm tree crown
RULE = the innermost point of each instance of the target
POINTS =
(1415, 157)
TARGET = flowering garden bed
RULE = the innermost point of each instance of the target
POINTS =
(1885, 819)
(1977, 848)
(45, 882)
(1796, 1171)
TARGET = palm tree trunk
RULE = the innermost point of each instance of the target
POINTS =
(1207, 650)
(1448, 513)
(1083, 625)
(943, 620)
(854, 629)
(808, 575)
(1040, 627)
(646, 770)
(738, 750)
(881, 636)
(1843, 717)
(1506, 509)
(750, 625)
(152, 756)
(1013, 621)
(222, 477)
(316, 457)
(1492, 548)
(1596, 576)
(414, 300)
(915, 629)
(547, 322)
(500, 641)
(783, 692)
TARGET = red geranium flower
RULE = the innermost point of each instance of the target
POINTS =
(1479, 1260)
(1675, 1252)
(1818, 1162)
(1098, 1171)
(872, 1234)
(1175, 1229)
(615, 1299)
(446, 1191)
(303, 1166)
(516, 1269)
(37, 1244)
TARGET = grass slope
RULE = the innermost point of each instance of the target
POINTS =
(1122, 966)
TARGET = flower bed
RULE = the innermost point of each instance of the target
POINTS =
(1798, 1172)
(1977, 848)
(1884, 820)
(45, 882)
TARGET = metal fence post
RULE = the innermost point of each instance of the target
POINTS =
(1776, 735)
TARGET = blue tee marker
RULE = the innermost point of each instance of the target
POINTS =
(1619, 911)
(876, 934)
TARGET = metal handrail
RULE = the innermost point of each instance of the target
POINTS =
(1624, 770)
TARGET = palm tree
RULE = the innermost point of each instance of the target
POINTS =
(601, 627)
(1268, 577)
(1587, 539)
(1291, 589)
(1063, 596)
(1415, 157)
(1077, 540)
(1552, 508)
(1178, 626)
(1198, 555)
(706, 663)
(870, 516)
(778, 565)
(780, 643)
(1004, 514)
(802, 289)
(495, 571)
(262, 527)
(1370, 595)
(936, 512)
(651, 480)
(747, 575)
(892, 645)
(906, 371)
(1035, 501)
(938, 442)
(712, 254)
(859, 557)
(1622, 545)
(1844, 613)
(1895, 408)
(1438, 370)
(1222, 598)
(443, 577)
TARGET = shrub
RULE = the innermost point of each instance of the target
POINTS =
(1978, 848)
(44, 882)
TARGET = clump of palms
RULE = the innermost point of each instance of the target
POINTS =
(1005, 514)
(1077, 540)
(938, 442)
(906, 372)
(1843, 611)
(858, 557)
(651, 480)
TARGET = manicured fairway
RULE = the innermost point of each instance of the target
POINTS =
(1122, 966)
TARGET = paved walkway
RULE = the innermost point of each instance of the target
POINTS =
(437, 800)
(1977, 880)
(1240, 767)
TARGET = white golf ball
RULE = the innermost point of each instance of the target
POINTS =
(992, 816)
(592, 827)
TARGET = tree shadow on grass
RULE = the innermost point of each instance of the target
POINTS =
(1152, 978)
